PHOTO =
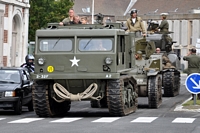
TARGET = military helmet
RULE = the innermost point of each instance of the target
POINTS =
(139, 52)
(29, 57)
(164, 14)
(133, 11)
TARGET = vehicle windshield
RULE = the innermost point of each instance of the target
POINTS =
(9, 76)
(56, 44)
(95, 44)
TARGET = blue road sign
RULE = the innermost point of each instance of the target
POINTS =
(192, 83)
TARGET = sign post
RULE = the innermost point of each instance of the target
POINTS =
(192, 84)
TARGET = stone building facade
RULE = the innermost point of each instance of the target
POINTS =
(14, 21)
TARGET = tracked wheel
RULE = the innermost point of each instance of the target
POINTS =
(43, 104)
(122, 96)
(177, 82)
(154, 91)
(171, 83)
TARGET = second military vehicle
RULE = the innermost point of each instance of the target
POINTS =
(171, 62)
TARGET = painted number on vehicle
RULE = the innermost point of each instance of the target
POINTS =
(50, 69)
(42, 76)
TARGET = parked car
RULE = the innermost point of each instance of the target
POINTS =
(15, 89)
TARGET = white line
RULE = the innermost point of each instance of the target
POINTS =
(144, 119)
(183, 120)
(65, 120)
(107, 119)
(26, 120)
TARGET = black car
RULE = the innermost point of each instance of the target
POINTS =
(15, 89)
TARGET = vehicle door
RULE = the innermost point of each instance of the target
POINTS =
(26, 86)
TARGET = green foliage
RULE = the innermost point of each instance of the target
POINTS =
(46, 11)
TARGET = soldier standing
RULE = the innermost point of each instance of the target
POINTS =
(164, 25)
(69, 20)
(135, 24)
(193, 63)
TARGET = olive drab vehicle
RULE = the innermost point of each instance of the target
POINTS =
(171, 61)
(95, 63)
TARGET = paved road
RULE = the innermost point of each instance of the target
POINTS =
(82, 118)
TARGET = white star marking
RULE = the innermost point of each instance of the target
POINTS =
(75, 61)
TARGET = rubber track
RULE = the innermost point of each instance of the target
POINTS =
(153, 91)
(171, 83)
(41, 100)
(177, 81)
(115, 90)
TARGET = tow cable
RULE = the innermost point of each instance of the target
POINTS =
(65, 95)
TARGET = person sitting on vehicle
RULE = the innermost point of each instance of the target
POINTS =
(164, 25)
(97, 45)
(138, 55)
(76, 20)
(135, 24)
(29, 63)
(69, 20)
(158, 50)
(84, 20)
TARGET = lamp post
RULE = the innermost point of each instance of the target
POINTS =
(92, 11)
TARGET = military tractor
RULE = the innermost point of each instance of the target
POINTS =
(171, 62)
(96, 63)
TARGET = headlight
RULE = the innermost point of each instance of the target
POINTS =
(9, 93)
(40, 61)
(108, 61)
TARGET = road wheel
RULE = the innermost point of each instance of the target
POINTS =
(18, 107)
(154, 91)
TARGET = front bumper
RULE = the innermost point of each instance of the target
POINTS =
(76, 76)
(8, 102)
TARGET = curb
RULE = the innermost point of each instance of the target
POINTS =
(180, 107)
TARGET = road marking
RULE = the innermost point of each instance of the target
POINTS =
(144, 119)
(107, 119)
(26, 120)
(65, 120)
(183, 120)
(2, 118)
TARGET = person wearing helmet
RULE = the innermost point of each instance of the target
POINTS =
(135, 24)
(29, 63)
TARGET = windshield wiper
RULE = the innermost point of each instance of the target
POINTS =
(88, 43)
(56, 43)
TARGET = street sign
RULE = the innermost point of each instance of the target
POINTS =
(192, 83)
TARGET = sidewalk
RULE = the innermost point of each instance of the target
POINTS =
(191, 108)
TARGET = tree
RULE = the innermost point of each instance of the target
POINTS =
(46, 11)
